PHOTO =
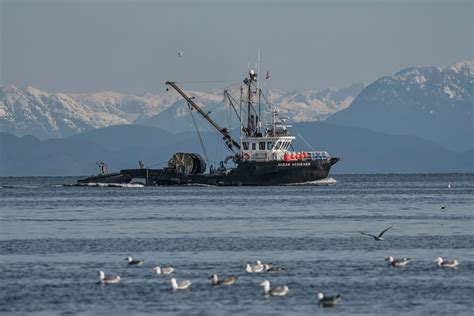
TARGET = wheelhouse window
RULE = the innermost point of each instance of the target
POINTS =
(277, 145)
(261, 146)
(269, 145)
(254, 146)
(245, 145)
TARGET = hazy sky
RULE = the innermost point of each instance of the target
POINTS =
(131, 46)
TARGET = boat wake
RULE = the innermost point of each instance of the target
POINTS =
(111, 185)
(322, 182)
(19, 186)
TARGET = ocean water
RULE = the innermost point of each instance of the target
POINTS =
(54, 239)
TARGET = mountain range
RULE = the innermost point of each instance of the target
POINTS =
(432, 103)
(30, 111)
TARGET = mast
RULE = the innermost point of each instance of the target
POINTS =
(250, 117)
(224, 131)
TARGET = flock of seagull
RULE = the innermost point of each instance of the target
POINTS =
(259, 267)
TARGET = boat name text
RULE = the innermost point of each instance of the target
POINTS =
(294, 164)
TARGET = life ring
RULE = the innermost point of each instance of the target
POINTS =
(246, 156)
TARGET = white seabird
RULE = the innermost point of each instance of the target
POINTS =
(136, 262)
(446, 263)
(397, 262)
(248, 268)
(328, 301)
(226, 281)
(183, 285)
(110, 279)
(164, 270)
(259, 267)
(277, 291)
(379, 237)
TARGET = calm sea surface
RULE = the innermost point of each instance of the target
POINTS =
(54, 239)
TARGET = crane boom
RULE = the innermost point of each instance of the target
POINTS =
(224, 131)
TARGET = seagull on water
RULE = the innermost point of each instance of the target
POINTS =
(226, 281)
(183, 285)
(443, 206)
(397, 262)
(449, 185)
(446, 263)
(277, 291)
(328, 301)
(248, 268)
(259, 267)
(270, 268)
(164, 270)
(379, 237)
(110, 279)
(135, 262)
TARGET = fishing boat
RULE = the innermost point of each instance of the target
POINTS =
(263, 154)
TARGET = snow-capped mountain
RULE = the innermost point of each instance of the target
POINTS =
(44, 115)
(47, 115)
(429, 102)
(310, 105)
(296, 106)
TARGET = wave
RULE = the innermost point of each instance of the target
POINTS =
(323, 182)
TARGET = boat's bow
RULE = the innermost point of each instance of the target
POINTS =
(334, 160)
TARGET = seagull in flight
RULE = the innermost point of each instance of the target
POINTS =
(379, 237)
(180, 54)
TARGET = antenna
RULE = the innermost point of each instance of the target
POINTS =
(258, 91)
(258, 69)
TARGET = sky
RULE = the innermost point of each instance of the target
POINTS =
(132, 46)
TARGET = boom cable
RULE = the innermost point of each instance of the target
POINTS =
(199, 133)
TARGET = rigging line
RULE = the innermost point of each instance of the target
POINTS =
(207, 81)
(232, 86)
(208, 128)
(266, 100)
(199, 134)
(303, 139)
(231, 98)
